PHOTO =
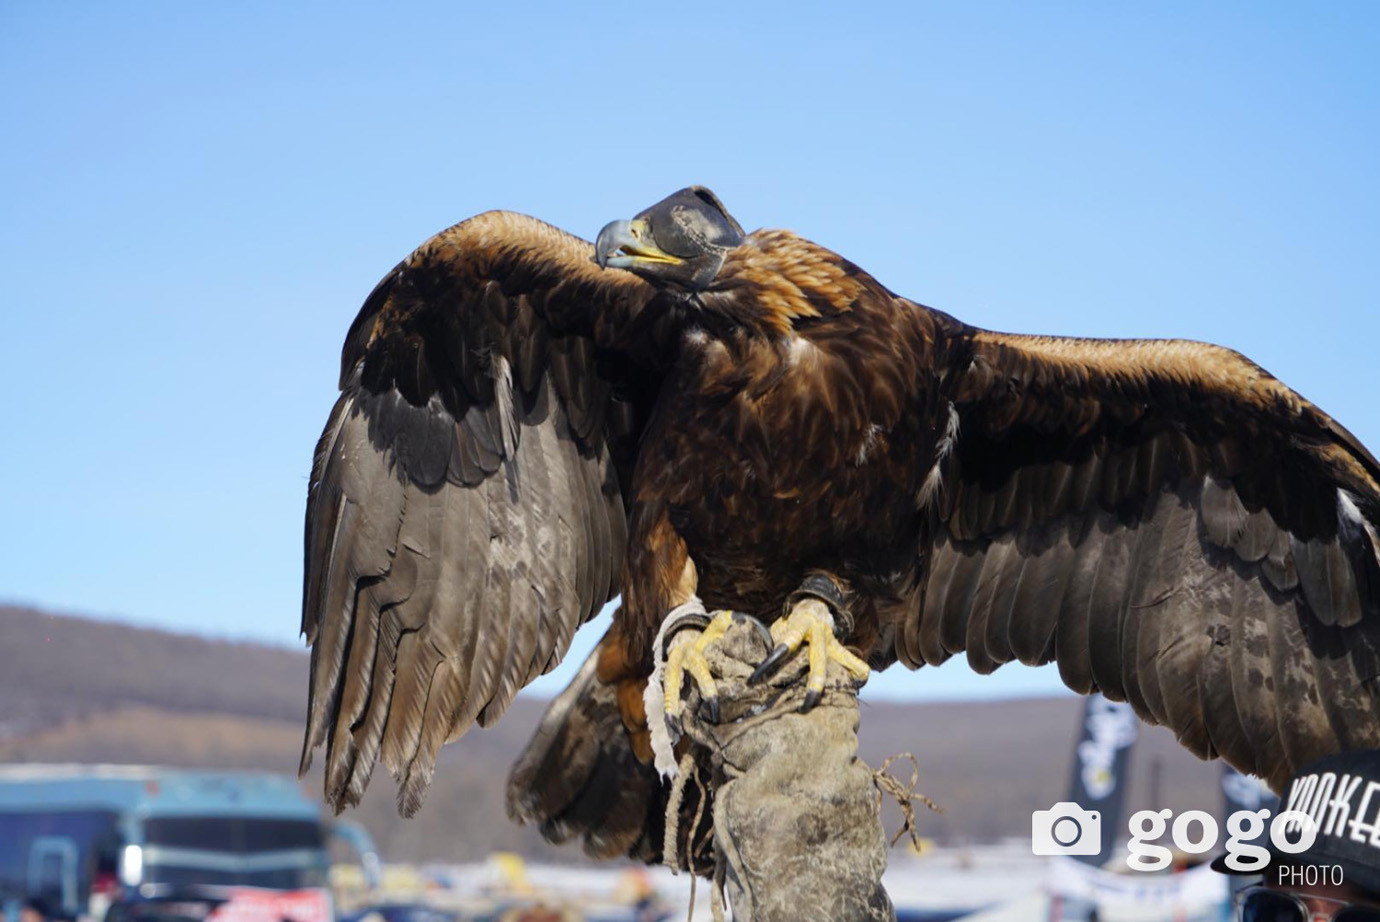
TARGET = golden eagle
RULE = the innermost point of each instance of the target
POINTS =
(529, 426)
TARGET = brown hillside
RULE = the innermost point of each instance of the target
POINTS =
(89, 691)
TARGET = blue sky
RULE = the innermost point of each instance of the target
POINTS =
(197, 197)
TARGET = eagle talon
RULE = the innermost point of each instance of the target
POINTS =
(809, 622)
(774, 659)
(686, 657)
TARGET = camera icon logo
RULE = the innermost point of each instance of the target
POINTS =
(1066, 829)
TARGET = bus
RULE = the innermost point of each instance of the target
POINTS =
(79, 836)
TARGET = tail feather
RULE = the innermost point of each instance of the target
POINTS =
(579, 776)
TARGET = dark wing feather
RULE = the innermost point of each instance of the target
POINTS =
(465, 512)
(1171, 525)
(578, 777)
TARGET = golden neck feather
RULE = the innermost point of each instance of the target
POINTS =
(789, 278)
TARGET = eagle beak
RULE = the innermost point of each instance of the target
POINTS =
(626, 244)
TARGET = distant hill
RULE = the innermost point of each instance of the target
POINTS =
(54, 668)
(77, 690)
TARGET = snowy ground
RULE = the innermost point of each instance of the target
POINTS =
(997, 883)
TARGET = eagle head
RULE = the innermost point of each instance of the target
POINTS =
(682, 239)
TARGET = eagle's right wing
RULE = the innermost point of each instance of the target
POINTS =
(465, 512)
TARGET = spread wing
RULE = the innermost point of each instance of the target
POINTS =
(1171, 525)
(465, 512)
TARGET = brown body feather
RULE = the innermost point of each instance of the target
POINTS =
(521, 436)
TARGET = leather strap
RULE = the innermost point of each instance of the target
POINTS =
(824, 587)
(689, 615)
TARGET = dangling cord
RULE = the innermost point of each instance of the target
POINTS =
(670, 841)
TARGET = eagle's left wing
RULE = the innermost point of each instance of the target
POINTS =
(1174, 527)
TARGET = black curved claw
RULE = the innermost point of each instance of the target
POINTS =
(812, 698)
(740, 617)
(712, 703)
(769, 665)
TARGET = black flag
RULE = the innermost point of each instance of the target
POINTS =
(1099, 767)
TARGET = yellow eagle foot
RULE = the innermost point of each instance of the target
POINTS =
(810, 621)
(687, 657)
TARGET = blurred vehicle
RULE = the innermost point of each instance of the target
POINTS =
(181, 905)
(82, 837)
